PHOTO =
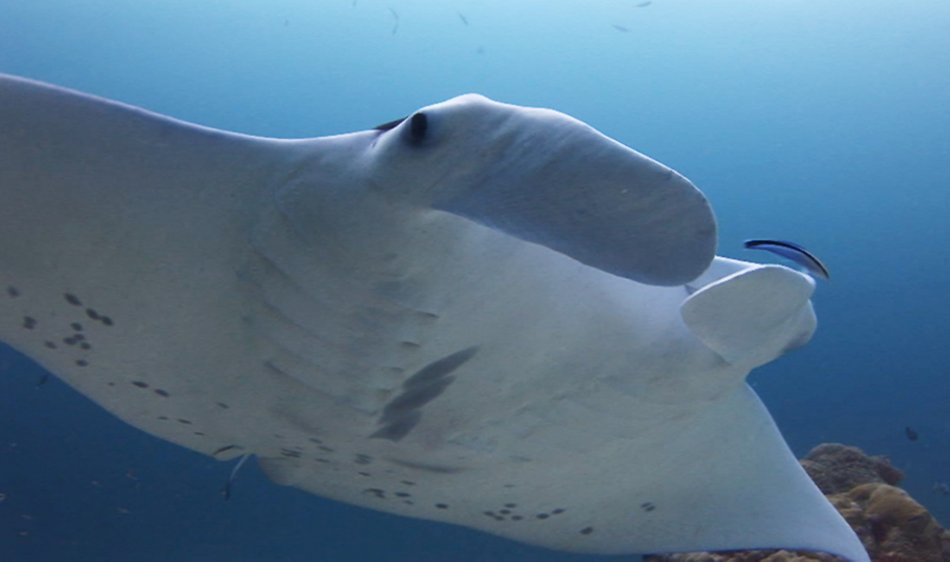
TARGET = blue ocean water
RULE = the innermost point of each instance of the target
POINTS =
(826, 123)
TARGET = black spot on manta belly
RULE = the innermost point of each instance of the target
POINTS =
(424, 467)
(12, 292)
(29, 322)
(72, 299)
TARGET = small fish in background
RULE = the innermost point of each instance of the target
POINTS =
(643, 4)
(395, 20)
(793, 252)
(621, 28)
(463, 18)
(911, 433)
(942, 488)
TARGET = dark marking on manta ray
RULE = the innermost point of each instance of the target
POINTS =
(647, 506)
(222, 405)
(140, 384)
(70, 341)
(321, 459)
(326, 449)
(432, 468)
(199, 433)
(398, 428)
(362, 459)
(291, 453)
(511, 505)
(440, 368)
(49, 344)
(441, 506)
(402, 413)
(364, 474)
(408, 482)
(403, 495)
(12, 291)
(82, 362)
(162, 393)
(381, 494)
(29, 322)
(220, 450)
(72, 299)
(184, 421)
(163, 418)
(516, 517)
(76, 326)
(542, 516)
(586, 530)
(85, 346)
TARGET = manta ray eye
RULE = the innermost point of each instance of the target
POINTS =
(418, 125)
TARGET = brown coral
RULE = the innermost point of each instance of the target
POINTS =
(837, 468)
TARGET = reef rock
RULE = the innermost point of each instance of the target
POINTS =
(892, 526)
(837, 468)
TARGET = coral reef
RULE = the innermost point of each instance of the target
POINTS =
(892, 526)
(837, 468)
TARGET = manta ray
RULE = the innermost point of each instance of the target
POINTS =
(482, 314)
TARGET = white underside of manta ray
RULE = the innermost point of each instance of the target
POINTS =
(486, 315)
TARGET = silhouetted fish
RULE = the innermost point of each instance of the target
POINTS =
(621, 28)
(911, 434)
(463, 18)
(794, 252)
(643, 4)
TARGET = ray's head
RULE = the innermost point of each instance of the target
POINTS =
(548, 178)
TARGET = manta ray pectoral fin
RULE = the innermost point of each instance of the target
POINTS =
(754, 315)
